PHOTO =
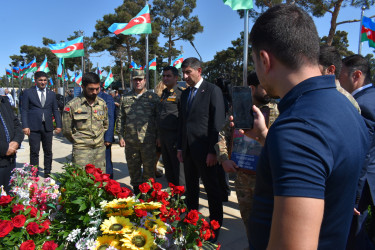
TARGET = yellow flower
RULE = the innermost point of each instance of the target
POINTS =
(120, 203)
(138, 239)
(116, 225)
(124, 213)
(106, 241)
(156, 225)
(148, 205)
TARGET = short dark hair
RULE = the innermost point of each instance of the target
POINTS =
(358, 62)
(90, 77)
(191, 62)
(173, 69)
(328, 56)
(40, 74)
(289, 33)
(252, 79)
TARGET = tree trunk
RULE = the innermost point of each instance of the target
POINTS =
(335, 14)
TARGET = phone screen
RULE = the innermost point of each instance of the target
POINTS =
(242, 107)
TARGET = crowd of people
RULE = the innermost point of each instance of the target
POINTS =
(314, 120)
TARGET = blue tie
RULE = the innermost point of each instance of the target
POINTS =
(5, 128)
(193, 91)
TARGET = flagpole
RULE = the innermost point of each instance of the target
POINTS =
(130, 80)
(147, 69)
(155, 73)
(360, 31)
(245, 47)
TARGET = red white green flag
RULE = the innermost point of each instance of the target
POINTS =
(109, 79)
(73, 48)
(141, 24)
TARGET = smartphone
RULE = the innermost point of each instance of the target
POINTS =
(242, 103)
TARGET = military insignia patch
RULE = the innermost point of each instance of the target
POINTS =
(66, 109)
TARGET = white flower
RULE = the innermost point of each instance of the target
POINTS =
(73, 235)
(111, 248)
(103, 204)
(92, 211)
(91, 244)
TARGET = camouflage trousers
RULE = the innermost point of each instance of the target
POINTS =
(88, 155)
(138, 154)
(245, 185)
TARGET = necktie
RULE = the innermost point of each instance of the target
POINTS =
(42, 101)
(5, 128)
(191, 96)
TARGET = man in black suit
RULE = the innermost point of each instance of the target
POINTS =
(39, 106)
(201, 117)
(355, 77)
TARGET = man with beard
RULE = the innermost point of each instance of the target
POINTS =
(245, 181)
(85, 120)
(136, 127)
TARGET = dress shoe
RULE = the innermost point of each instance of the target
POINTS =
(47, 174)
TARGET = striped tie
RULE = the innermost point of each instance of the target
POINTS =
(5, 128)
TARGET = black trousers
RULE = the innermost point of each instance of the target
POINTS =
(5, 174)
(108, 161)
(211, 180)
(168, 140)
(34, 141)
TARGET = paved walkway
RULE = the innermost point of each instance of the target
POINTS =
(232, 235)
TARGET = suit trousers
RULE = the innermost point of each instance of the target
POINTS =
(45, 137)
(211, 180)
(168, 140)
(108, 161)
(6, 173)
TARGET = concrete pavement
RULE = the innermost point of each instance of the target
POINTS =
(232, 235)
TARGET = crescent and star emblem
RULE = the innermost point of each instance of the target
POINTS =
(71, 48)
(140, 19)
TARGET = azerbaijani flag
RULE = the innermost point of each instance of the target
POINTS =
(73, 48)
(152, 64)
(99, 72)
(60, 69)
(79, 79)
(133, 65)
(66, 77)
(8, 73)
(141, 24)
(239, 4)
(73, 78)
(178, 61)
(44, 66)
(30, 67)
(368, 31)
(16, 72)
(108, 80)
(50, 81)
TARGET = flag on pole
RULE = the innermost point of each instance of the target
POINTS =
(30, 67)
(66, 77)
(73, 78)
(133, 65)
(8, 73)
(79, 79)
(99, 72)
(152, 64)
(50, 81)
(73, 48)
(141, 24)
(60, 69)
(178, 61)
(239, 4)
(16, 72)
(108, 80)
(368, 31)
(44, 66)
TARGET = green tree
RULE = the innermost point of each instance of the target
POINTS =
(176, 23)
(340, 41)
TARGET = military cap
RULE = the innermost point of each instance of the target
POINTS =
(138, 73)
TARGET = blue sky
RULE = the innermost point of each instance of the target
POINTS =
(28, 21)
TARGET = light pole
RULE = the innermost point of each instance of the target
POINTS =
(192, 44)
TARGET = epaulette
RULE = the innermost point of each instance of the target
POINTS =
(181, 88)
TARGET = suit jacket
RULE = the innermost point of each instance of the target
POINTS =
(32, 110)
(14, 129)
(366, 101)
(108, 135)
(199, 129)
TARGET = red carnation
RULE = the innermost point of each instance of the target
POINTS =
(6, 227)
(199, 243)
(4, 200)
(179, 189)
(44, 226)
(207, 234)
(215, 225)
(113, 190)
(144, 188)
(90, 169)
(17, 208)
(152, 180)
(33, 212)
(126, 192)
(205, 224)
(98, 177)
(192, 217)
(106, 177)
(157, 186)
(28, 245)
(49, 245)
(140, 213)
(19, 220)
(32, 228)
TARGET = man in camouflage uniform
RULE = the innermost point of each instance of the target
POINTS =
(85, 120)
(136, 127)
(330, 64)
(245, 181)
(168, 123)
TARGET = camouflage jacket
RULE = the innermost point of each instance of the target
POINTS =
(347, 95)
(223, 146)
(136, 121)
(85, 125)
